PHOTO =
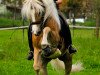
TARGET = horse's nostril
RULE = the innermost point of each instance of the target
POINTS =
(38, 33)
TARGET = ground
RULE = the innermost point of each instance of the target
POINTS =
(14, 50)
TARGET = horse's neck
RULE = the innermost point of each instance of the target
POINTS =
(52, 24)
(54, 28)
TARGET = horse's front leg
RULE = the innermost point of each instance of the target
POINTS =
(44, 66)
(40, 63)
(37, 60)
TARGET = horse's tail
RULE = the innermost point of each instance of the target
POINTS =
(59, 65)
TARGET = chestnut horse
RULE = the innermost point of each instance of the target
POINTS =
(46, 35)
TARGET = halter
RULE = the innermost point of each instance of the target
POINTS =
(33, 23)
(40, 23)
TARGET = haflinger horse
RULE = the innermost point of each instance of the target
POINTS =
(46, 36)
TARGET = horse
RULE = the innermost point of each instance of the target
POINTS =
(47, 40)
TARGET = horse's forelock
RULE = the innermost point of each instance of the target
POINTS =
(31, 5)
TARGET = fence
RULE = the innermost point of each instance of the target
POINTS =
(24, 27)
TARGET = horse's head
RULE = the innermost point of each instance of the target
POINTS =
(38, 11)
(34, 11)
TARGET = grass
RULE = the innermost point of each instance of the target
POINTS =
(7, 22)
(10, 22)
(14, 50)
(88, 51)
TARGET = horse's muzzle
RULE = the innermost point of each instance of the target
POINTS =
(46, 51)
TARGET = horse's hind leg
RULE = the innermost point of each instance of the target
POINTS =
(67, 59)
(68, 63)
(43, 69)
(37, 72)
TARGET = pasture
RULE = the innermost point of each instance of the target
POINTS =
(14, 50)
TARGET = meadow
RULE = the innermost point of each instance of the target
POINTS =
(14, 50)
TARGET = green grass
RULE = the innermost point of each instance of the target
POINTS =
(5, 22)
(9, 22)
(88, 51)
(14, 50)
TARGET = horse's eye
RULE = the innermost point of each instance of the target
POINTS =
(39, 13)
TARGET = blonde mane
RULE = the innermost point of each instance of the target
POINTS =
(31, 6)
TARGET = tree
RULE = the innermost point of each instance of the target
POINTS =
(72, 7)
(13, 3)
(93, 6)
(96, 5)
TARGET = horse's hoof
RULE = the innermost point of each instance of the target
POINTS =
(56, 54)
